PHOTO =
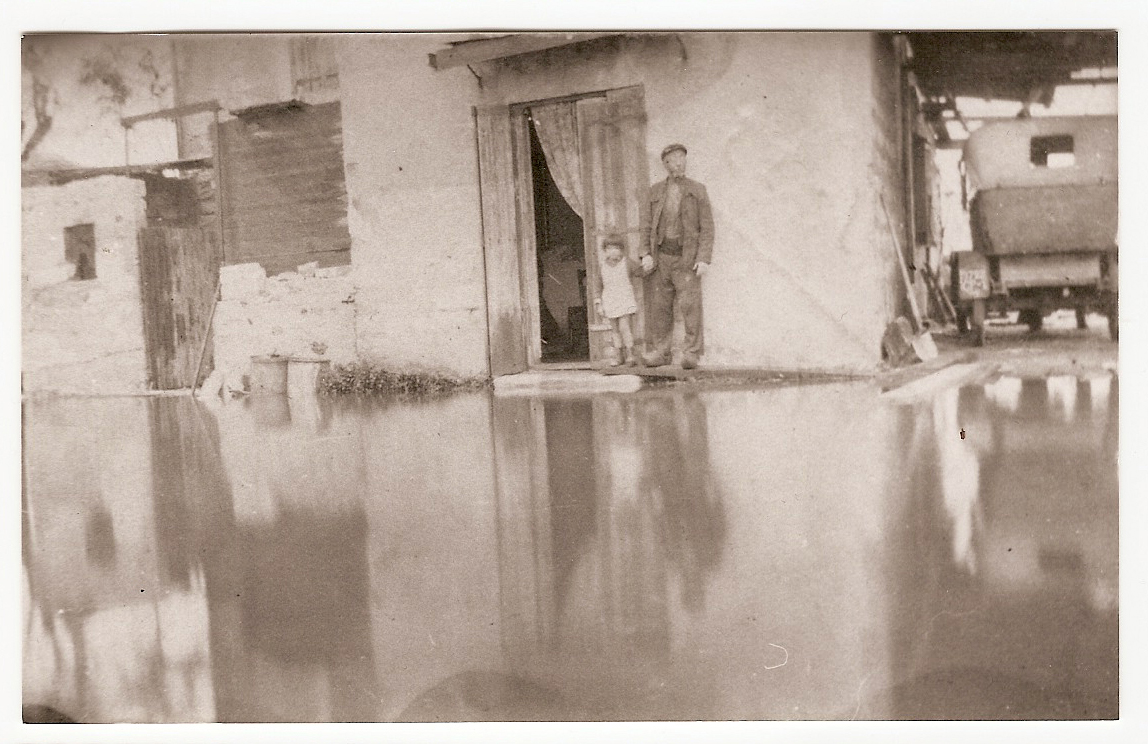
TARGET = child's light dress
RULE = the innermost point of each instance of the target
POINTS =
(617, 291)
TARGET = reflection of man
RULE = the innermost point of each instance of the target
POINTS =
(676, 469)
(677, 243)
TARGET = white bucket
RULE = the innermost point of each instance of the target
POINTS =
(268, 375)
(303, 375)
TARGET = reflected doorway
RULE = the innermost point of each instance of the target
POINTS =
(560, 271)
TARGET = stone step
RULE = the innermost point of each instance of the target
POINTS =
(565, 382)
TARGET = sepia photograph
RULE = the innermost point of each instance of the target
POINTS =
(569, 376)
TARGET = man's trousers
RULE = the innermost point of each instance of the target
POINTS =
(673, 278)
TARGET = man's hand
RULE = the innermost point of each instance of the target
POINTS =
(647, 263)
(701, 268)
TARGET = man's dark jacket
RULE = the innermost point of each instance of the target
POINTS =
(697, 233)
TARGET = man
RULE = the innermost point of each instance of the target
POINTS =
(677, 243)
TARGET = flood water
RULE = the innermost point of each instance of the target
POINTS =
(810, 552)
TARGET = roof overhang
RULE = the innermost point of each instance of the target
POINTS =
(1021, 66)
(473, 51)
(1006, 65)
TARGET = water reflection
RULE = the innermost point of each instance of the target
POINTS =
(109, 634)
(1020, 620)
(799, 552)
(610, 507)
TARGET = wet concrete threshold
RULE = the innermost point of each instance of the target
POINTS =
(805, 552)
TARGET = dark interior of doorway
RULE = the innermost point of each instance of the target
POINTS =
(561, 267)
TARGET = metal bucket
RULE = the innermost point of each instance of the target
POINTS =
(268, 375)
(303, 375)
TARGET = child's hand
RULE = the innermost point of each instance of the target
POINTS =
(598, 305)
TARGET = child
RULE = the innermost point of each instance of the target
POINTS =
(615, 299)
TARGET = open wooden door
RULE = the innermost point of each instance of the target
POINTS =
(612, 134)
(614, 179)
(504, 306)
(178, 270)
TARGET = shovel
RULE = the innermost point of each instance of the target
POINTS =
(923, 344)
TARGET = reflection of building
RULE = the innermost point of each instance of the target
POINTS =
(784, 553)
(1014, 582)
(120, 610)
(158, 596)
(298, 641)
(667, 596)
(609, 520)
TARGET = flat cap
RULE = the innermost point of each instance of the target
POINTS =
(670, 148)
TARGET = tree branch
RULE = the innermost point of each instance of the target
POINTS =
(40, 96)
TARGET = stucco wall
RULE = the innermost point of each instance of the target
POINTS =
(414, 217)
(780, 129)
(92, 81)
(411, 180)
(886, 174)
(290, 314)
(83, 336)
(238, 70)
(794, 135)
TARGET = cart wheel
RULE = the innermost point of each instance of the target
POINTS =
(962, 322)
(1113, 319)
(1081, 321)
(978, 322)
(1032, 318)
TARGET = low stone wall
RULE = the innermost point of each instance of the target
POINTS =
(82, 336)
(310, 312)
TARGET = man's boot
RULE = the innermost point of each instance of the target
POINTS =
(689, 361)
(654, 359)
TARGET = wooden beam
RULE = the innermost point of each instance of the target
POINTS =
(65, 175)
(952, 144)
(484, 50)
(172, 113)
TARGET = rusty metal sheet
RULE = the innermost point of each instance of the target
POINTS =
(285, 199)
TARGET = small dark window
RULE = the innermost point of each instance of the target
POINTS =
(80, 250)
(1053, 151)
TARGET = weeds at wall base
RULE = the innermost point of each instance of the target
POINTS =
(367, 379)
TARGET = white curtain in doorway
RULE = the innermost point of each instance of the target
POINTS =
(557, 127)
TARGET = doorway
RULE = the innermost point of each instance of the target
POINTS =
(560, 260)
(555, 178)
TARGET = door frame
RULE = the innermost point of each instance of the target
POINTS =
(529, 284)
(527, 237)
(529, 281)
